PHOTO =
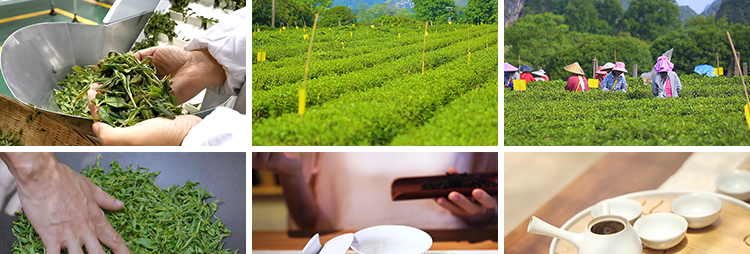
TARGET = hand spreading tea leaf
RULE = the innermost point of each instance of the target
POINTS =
(154, 220)
(130, 91)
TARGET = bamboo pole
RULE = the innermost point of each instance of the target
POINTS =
(737, 61)
(615, 55)
(468, 37)
(309, 54)
(424, 45)
(487, 39)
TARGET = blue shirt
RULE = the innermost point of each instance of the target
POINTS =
(610, 83)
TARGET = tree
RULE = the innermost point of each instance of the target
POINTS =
(629, 50)
(480, 11)
(375, 11)
(427, 10)
(699, 42)
(736, 11)
(582, 16)
(318, 6)
(535, 38)
(649, 19)
(288, 13)
(609, 11)
(542, 6)
(338, 13)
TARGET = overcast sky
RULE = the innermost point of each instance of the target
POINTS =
(696, 5)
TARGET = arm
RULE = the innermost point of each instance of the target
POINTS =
(298, 195)
(678, 83)
(225, 42)
(64, 207)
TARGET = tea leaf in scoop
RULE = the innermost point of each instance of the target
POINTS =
(129, 93)
(154, 220)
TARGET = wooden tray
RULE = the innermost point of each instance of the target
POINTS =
(728, 234)
(411, 188)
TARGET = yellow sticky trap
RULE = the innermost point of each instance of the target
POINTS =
(265, 54)
(481, 23)
(260, 56)
(469, 56)
(450, 22)
(391, 25)
(519, 85)
(426, 33)
(258, 29)
(747, 116)
(302, 94)
(283, 27)
(372, 26)
(593, 83)
(279, 30)
(399, 35)
(352, 25)
(351, 34)
(719, 71)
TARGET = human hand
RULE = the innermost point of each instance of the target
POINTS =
(280, 163)
(152, 132)
(64, 207)
(479, 209)
(191, 71)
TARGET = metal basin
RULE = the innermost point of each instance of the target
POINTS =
(35, 58)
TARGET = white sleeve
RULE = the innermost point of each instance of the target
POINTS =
(223, 127)
(226, 43)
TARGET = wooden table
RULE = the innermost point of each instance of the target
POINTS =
(470, 239)
(613, 175)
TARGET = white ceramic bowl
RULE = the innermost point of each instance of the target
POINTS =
(700, 210)
(391, 239)
(735, 183)
(627, 208)
(661, 231)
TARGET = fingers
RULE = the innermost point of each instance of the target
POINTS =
(483, 198)
(448, 205)
(452, 170)
(51, 243)
(73, 247)
(155, 132)
(110, 238)
(464, 203)
(92, 245)
(103, 199)
(144, 53)
(91, 94)
(109, 135)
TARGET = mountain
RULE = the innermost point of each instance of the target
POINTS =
(399, 3)
(711, 8)
(686, 12)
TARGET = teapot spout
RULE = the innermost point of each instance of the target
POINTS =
(540, 227)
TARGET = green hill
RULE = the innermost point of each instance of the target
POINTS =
(686, 12)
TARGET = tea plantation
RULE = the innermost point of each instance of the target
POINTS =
(708, 112)
(365, 86)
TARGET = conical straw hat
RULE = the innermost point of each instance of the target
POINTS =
(575, 68)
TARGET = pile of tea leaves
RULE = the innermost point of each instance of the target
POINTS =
(10, 138)
(154, 220)
(455, 181)
(130, 91)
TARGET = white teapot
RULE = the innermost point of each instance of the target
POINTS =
(607, 234)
